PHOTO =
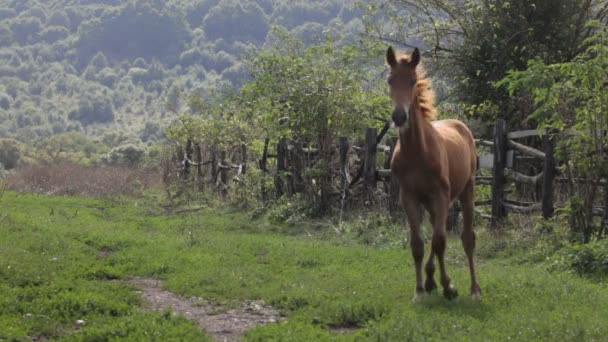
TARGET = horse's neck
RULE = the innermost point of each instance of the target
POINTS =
(415, 137)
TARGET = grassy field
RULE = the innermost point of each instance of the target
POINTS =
(68, 259)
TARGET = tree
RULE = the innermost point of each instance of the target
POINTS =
(9, 153)
(124, 155)
(474, 43)
(25, 29)
(93, 109)
(5, 102)
(137, 29)
(54, 33)
(574, 95)
(7, 13)
(151, 132)
(228, 20)
(59, 18)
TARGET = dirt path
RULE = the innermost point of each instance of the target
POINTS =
(220, 323)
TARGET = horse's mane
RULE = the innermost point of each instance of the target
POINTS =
(424, 93)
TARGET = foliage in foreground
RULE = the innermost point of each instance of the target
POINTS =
(573, 96)
(475, 43)
(65, 259)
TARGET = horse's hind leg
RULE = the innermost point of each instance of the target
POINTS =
(467, 202)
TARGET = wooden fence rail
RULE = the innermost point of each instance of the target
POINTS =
(291, 158)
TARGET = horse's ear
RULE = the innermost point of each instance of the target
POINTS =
(415, 57)
(391, 59)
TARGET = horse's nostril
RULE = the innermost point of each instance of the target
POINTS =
(399, 117)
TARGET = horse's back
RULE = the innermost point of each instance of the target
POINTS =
(459, 145)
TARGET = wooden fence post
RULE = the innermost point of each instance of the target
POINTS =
(243, 159)
(213, 178)
(452, 220)
(223, 174)
(344, 172)
(279, 185)
(187, 158)
(198, 159)
(296, 164)
(369, 169)
(369, 164)
(498, 173)
(178, 158)
(264, 169)
(548, 174)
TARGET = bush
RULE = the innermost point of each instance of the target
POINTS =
(5, 102)
(590, 259)
(291, 211)
(151, 132)
(54, 33)
(9, 153)
(59, 18)
(124, 155)
(7, 13)
(92, 110)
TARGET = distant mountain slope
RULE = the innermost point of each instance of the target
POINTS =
(99, 65)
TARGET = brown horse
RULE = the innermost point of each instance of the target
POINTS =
(435, 162)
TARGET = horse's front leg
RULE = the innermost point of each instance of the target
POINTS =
(439, 212)
(411, 207)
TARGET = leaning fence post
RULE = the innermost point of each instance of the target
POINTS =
(369, 169)
(279, 185)
(548, 174)
(224, 174)
(498, 173)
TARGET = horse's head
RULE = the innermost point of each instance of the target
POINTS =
(402, 80)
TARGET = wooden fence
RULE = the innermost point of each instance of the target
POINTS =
(292, 158)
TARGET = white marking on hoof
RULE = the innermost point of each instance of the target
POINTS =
(418, 298)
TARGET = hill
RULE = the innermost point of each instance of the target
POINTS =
(99, 66)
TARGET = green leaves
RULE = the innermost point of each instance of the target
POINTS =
(320, 86)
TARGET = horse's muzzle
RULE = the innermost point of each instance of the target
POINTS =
(400, 117)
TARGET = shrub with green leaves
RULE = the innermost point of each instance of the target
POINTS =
(9, 153)
(125, 155)
(573, 96)
(588, 260)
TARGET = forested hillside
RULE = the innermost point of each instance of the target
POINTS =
(107, 68)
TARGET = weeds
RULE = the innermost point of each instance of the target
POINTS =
(72, 179)
(58, 269)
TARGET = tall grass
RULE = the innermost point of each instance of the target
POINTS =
(68, 178)
(64, 259)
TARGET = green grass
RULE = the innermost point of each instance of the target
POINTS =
(63, 259)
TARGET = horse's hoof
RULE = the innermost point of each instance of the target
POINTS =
(476, 293)
(418, 297)
(430, 285)
(450, 292)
